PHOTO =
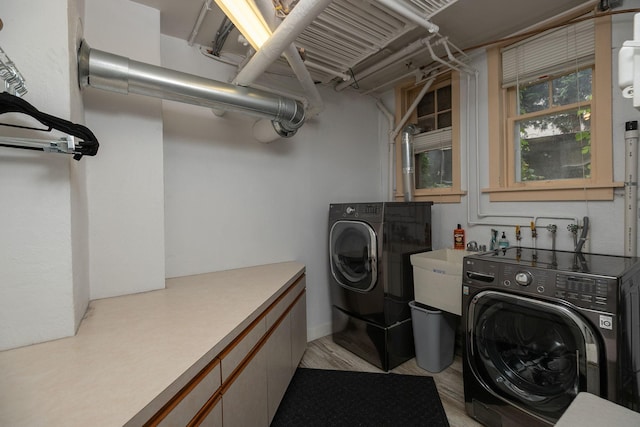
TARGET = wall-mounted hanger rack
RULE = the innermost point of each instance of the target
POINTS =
(80, 141)
(13, 80)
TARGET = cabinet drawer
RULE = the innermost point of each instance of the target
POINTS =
(274, 314)
(233, 356)
(194, 397)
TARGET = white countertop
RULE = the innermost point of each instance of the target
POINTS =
(133, 348)
(588, 410)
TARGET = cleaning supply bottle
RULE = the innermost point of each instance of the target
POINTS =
(503, 242)
(458, 238)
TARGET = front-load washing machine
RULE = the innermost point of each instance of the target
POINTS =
(542, 326)
(371, 277)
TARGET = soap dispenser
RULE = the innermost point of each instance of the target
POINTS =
(503, 242)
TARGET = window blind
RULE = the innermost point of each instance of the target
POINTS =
(435, 140)
(555, 51)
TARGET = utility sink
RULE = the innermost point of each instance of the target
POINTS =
(437, 279)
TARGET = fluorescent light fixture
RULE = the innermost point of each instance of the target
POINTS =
(247, 18)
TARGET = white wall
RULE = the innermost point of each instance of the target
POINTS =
(125, 180)
(39, 300)
(175, 178)
(606, 217)
(233, 202)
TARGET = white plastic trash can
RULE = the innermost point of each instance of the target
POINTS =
(434, 333)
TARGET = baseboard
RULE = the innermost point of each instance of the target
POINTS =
(318, 332)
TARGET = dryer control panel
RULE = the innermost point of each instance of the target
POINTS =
(364, 211)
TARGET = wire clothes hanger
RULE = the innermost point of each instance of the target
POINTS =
(87, 145)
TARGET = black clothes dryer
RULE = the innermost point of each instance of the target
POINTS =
(371, 278)
(542, 326)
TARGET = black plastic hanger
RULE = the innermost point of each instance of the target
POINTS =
(13, 104)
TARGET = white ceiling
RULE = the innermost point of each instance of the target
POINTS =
(465, 23)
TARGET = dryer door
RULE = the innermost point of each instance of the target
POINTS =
(530, 353)
(353, 255)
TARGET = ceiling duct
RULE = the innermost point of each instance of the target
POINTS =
(119, 74)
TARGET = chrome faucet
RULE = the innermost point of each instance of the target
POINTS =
(472, 246)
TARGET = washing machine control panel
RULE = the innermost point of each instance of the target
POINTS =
(592, 292)
(523, 278)
(586, 290)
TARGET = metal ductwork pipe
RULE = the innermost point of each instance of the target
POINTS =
(408, 162)
(119, 74)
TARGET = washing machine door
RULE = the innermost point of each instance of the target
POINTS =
(532, 354)
(353, 255)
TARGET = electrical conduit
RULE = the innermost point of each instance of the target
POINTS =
(631, 188)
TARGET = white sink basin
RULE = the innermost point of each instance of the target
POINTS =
(437, 279)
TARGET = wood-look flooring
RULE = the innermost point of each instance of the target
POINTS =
(323, 353)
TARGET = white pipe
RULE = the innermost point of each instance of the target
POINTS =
(314, 101)
(631, 188)
(479, 215)
(411, 15)
(327, 70)
(431, 72)
(203, 12)
(451, 57)
(392, 149)
(442, 61)
(290, 28)
(399, 56)
(412, 107)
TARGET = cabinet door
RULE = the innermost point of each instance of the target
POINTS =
(278, 349)
(298, 331)
(244, 403)
(214, 418)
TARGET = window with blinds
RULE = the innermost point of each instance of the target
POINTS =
(436, 147)
(550, 115)
(432, 147)
(433, 158)
(553, 52)
(549, 82)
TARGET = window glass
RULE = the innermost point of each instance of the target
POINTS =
(554, 145)
(433, 165)
(534, 98)
(427, 105)
(444, 120)
(427, 124)
(572, 88)
(434, 169)
(444, 98)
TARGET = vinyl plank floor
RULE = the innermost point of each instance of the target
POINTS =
(323, 353)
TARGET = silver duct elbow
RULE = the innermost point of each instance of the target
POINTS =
(408, 162)
(103, 70)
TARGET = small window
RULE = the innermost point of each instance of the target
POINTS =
(436, 146)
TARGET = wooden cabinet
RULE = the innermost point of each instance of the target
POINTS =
(244, 384)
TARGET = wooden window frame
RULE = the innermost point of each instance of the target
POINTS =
(405, 95)
(502, 184)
